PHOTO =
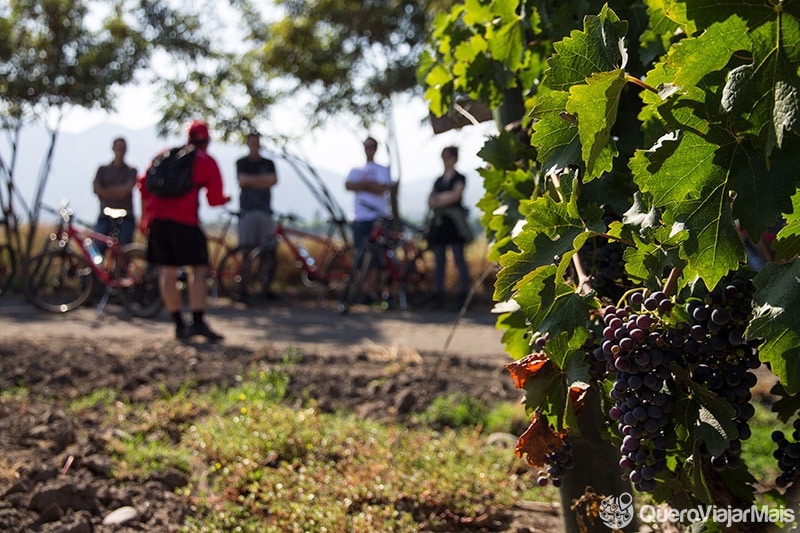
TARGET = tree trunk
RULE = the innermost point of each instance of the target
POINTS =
(596, 475)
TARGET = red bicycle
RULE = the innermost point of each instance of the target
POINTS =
(398, 258)
(323, 260)
(62, 277)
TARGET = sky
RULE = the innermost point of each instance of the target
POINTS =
(332, 149)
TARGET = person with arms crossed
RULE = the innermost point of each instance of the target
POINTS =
(449, 227)
(176, 239)
(371, 185)
(256, 175)
(113, 184)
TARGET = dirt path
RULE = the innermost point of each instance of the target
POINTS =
(312, 327)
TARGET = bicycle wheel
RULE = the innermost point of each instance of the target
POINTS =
(353, 287)
(336, 270)
(258, 273)
(8, 267)
(227, 277)
(138, 283)
(58, 280)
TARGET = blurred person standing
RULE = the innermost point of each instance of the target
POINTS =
(371, 184)
(256, 176)
(449, 226)
(113, 184)
(176, 239)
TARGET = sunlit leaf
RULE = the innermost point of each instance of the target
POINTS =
(536, 442)
(777, 321)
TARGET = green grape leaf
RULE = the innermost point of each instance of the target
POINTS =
(787, 406)
(787, 241)
(715, 428)
(692, 177)
(766, 93)
(555, 134)
(507, 44)
(695, 57)
(649, 260)
(600, 47)
(516, 266)
(516, 337)
(777, 321)
(767, 96)
(595, 104)
(561, 349)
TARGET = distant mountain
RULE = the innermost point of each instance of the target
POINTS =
(77, 156)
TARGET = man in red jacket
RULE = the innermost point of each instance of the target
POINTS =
(175, 238)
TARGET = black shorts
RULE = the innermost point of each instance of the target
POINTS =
(174, 244)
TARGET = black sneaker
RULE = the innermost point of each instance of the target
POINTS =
(182, 332)
(202, 329)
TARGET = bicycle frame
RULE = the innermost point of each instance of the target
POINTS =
(111, 269)
(314, 263)
(80, 237)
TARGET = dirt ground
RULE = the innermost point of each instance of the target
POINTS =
(55, 468)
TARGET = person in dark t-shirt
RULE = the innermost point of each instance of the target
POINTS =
(256, 175)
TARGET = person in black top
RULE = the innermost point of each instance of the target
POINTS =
(256, 176)
(448, 226)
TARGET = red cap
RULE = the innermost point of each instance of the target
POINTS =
(198, 131)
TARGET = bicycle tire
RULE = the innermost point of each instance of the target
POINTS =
(258, 273)
(228, 275)
(139, 283)
(58, 280)
(353, 288)
(8, 267)
(336, 270)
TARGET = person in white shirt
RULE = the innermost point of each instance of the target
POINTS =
(371, 184)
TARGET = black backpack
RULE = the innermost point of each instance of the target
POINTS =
(170, 174)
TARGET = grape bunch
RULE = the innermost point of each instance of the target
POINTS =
(559, 460)
(602, 261)
(719, 357)
(637, 348)
(788, 455)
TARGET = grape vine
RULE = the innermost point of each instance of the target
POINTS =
(684, 117)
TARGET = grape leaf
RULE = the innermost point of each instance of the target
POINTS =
(777, 321)
(767, 97)
(555, 136)
(787, 242)
(685, 181)
(695, 57)
(595, 104)
(715, 429)
(516, 337)
(766, 92)
(536, 442)
(507, 44)
(527, 367)
(600, 47)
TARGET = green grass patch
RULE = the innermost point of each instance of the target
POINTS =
(258, 464)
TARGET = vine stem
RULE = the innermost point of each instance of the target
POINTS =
(627, 293)
(640, 83)
(672, 281)
(584, 281)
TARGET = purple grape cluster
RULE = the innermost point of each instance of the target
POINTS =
(602, 260)
(637, 349)
(788, 455)
(720, 358)
(559, 460)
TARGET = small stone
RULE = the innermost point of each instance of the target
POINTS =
(120, 516)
